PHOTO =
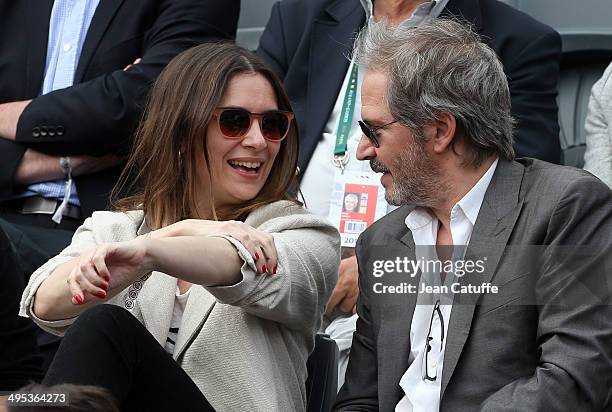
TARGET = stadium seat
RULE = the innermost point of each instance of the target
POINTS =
(586, 36)
(580, 69)
(254, 15)
(322, 382)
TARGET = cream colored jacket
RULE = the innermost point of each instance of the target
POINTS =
(245, 346)
(598, 126)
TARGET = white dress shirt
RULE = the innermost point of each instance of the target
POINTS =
(318, 180)
(423, 395)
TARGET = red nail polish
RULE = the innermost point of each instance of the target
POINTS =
(107, 278)
(79, 299)
(101, 294)
(104, 286)
(264, 269)
(256, 256)
(274, 269)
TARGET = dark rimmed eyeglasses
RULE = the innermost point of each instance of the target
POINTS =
(371, 132)
(235, 122)
(429, 338)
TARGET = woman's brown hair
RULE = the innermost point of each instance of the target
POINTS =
(172, 133)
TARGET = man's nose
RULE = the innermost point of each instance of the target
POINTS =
(365, 149)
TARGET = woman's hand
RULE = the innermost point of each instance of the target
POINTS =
(259, 244)
(106, 267)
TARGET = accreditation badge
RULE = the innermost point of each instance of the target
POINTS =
(357, 201)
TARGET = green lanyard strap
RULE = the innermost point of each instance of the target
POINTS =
(346, 119)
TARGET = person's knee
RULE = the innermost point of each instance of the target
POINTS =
(105, 317)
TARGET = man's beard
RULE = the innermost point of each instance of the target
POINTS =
(416, 178)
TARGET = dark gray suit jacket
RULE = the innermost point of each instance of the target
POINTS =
(543, 342)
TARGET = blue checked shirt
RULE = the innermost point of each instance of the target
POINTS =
(70, 20)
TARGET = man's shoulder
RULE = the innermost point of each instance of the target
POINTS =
(500, 18)
(556, 177)
(549, 187)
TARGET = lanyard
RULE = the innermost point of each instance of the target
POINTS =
(341, 156)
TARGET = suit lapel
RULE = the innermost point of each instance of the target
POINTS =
(498, 215)
(395, 336)
(102, 17)
(330, 47)
(156, 300)
(199, 305)
(39, 16)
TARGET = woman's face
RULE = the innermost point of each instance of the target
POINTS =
(240, 166)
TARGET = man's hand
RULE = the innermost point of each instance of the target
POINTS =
(38, 167)
(344, 295)
(9, 117)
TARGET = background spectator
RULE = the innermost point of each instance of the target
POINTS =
(598, 125)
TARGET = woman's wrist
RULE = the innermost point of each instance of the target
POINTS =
(150, 244)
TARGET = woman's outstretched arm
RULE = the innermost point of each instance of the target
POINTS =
(99, 274)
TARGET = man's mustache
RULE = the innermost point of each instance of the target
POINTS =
(378, 167)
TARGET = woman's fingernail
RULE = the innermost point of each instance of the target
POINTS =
(101, 294)
(107, 278)
(264, 269)
(79, 299)
(104, 286)
(256, 256)
(274, 269)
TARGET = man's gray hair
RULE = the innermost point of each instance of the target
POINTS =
(442, 66)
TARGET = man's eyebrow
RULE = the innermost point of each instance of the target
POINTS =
(373, 123)
(368, 122)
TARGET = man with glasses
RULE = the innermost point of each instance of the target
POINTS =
(308, 43)
(489, 288)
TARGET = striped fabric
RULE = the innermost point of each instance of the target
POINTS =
(180, 302)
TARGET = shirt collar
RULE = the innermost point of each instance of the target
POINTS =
(426, 8)
(469, 204)
(472, 201)
(419, 218)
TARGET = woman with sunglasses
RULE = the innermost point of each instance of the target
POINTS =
(224, 273)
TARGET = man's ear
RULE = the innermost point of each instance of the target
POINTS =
(441, 132)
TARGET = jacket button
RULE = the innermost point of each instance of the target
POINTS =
(43, 131)
(36, 131)
(59, 130)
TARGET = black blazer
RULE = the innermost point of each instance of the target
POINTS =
(307, 42)
(100, 111)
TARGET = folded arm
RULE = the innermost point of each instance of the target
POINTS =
(112, 103)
